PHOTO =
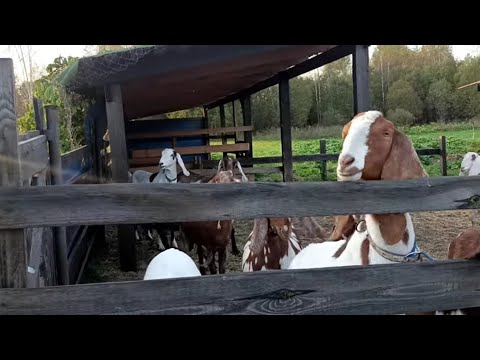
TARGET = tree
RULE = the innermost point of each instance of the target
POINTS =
(467, 103)
(265, 109)
(440, 100)
(336, 92)
(301, 100)
(71, 107)
(403, 95)
(389, 63)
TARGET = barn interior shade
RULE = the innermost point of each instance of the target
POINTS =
(163, 78)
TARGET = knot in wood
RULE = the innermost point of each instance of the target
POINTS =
(475, 201)
(286, 294)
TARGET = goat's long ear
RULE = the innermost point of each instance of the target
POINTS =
(182, 165)
(220, 166)
(237, 164)
(106, 136)
(465, 246)
(282, 226)
(402, 162)
(313, 228)
(345, 129)
(344, 227)
(259, 235)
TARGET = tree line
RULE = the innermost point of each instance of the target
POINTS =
(410, 86)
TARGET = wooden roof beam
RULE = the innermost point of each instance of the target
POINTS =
(324, 58)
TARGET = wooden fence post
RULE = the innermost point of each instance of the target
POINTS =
(60, 234)
(13, 254)
(39, 115)
(222, 124)
(443, 155)
(323, 163)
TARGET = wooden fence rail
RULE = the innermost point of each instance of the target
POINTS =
(300, 158)
(367, 290)
(149, 203)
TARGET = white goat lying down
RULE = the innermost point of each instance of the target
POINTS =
(470, 164)
(373, 149)
(171, 263)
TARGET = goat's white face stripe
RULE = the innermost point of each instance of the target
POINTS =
(355, 143)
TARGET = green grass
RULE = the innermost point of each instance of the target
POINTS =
(461, 138)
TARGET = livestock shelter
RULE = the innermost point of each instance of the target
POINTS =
(145, 81)
(133, 85)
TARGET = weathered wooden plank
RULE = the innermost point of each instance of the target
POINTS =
(28, 135)
(116, 127)
(13, 258)
(93, 234)
(246, 170)
(468, 85)
(33, 155)
(285, 128)
(234, 119)
(246, 103)
(59, 233)
(141, 155)
(443, 155)
(300, 158)
(41, 259)
(360, 73)
(323, 164)
(80, 249)
(74, 164)
(186, 133)
(74, 156)
(39, 115)
(119, 156)
(367, 290)
(222, 124)
(150, 203)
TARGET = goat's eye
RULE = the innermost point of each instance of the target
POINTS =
(386, 133)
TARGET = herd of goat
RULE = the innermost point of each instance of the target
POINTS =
(373, 149)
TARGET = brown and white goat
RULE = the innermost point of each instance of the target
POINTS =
(213, 235)
(373, 149)
(274, 242)
(272, 245)
(466, 246)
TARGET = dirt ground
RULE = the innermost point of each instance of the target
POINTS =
(434, 230)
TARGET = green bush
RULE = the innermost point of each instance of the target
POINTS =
(401, 117)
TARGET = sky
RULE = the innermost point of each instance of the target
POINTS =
(45, 54)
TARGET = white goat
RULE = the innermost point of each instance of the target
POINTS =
(470, 164)
(171, 263)
(167, 174)
(471, 167)
(168, 169)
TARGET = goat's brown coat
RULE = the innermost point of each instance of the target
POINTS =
(391, 156)
(269, 243)
(214, 235)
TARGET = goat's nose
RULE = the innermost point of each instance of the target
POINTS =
(161, 164)
(346, 160)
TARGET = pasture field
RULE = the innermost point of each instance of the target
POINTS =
(434, 230)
